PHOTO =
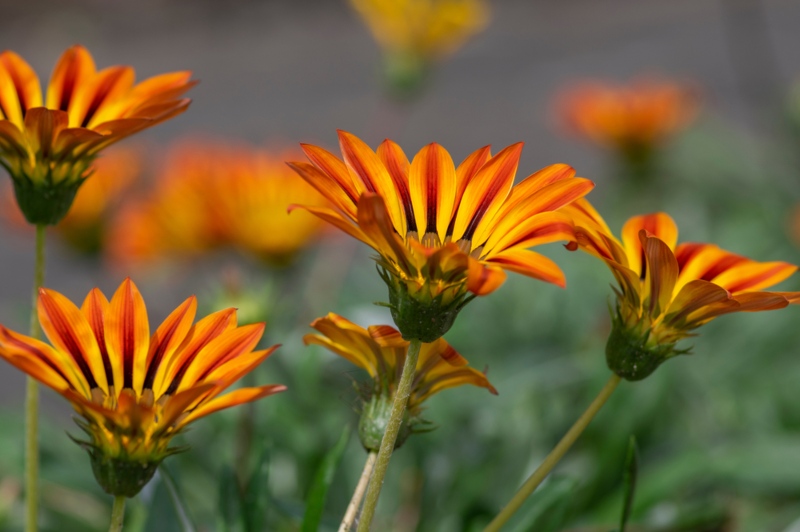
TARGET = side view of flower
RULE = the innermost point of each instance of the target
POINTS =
(134, 391)
(443, 234)
(48, 143)
(666, 289)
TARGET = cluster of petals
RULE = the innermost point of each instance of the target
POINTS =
(429, 29)
(209, 195)
(672, 288)
(82, 112)
(135, 391)
(381, 351)
(435, 225)
(640, 114)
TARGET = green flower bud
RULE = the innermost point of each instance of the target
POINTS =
(372, 424)
(632, 354)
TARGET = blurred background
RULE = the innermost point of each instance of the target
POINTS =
(716, 147)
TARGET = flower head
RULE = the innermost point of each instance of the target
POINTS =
(666, 290)
(380, 350)
(414, 33)
(49, 142)
(135, 391)
(211, 196)
(85, 226)
(443, 234)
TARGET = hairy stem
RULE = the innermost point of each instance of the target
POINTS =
(358, 494)
(117, 514)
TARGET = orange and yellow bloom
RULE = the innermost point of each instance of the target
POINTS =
(210, 196)
(443, 234)
(135, 391)
(666, 290)
(381, 351)
(628, 117)
(49, 142)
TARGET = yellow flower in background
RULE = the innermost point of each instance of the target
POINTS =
(380, 350)
(415, 33)
(49, 142)
(134, 391)
(443, 234)
(636, 116)
(85, 225)
(666, 290)
(209, 196)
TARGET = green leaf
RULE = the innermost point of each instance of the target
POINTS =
(322, 482)
(231, 505)
(629, 481)
(256, 497)
(177, 501)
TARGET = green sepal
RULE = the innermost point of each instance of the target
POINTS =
(374, 418)
(45, 203)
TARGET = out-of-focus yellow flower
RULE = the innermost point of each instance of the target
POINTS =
(133, 391)
(636, 116)
(414, 33)
(381, 351)
(49, 143)
(444, 234)
(667, 290)
(85, 225)
(210, 196)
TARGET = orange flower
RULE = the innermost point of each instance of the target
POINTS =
(444, 234)
(628, 117)
(85, 225)
(381, 351)
(133, 391)
(667, 290)
(48, 143)
(211, 196)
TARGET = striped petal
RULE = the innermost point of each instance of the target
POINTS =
(696, 303)
(329, 187)
(396, 163)
(661, 273)
(42, 127)
(68, 330)
(432, 180)
(538, 229)
(72, 75)
(168, 337)
(486, 192)
(128, 334)
(94, 308)
(658, 224)
(465, 173)
(100, 101)
(440, 349)
(374, 221)
(336, 220)
(243, 395)
(365, 164)
(348, 340)
(19, 88)
(531, 264)
(533, 183)
(331, 166)
(751, 275)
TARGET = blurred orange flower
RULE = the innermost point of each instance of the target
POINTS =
(639, 115)
(667, 290)
(84, 227)
(133, 391)
(48, 144)
(444, 234)
(210, 196)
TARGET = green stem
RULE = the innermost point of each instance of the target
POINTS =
(390, 436)
(358, 494)
(117, 514)
(554, 457)
(32, 400)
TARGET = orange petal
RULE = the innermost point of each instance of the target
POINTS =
(440, 349)
(697, 302)
(661, 273)
(483, 279)
(330, 165)
(12, 139)
(240, 396)
(658, 224)
(327, 186)
(531, 264)
(432, 181)
(94, 308)
(42, 127)
(751, 275)
(101, 101)
(465, 173)
(72, 74)
(758, 301)
(336, 220)
(177, 405)
(364, 163)
(230, 371)
(387, 336)
(533, 183)
(348, 340)
(168, 337)
(128, 334)
(68, 330)
(374, 221)
(20, 89)
(538, 229)
(486, 192)
(396, 163)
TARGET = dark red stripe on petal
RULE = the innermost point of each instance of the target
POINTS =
(67, 336)
(432, 193)
(128, 338)
(98, 328)
(158, 355)
(34, 353)
(490, 194)
(100, 95)
(212, 333)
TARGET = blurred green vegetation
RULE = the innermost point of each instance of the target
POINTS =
(718, 431)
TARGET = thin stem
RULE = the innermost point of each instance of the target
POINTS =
(32, 401)
(358, 494)
(390, 436)
(117, 514)
(554, 457)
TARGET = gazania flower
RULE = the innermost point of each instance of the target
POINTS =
(443, 234)
(85, 225)
(667, 290)
(636, 116)
(380, 350)
(134, 391)
(49, 142)
(414, 33)
(211, 196)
